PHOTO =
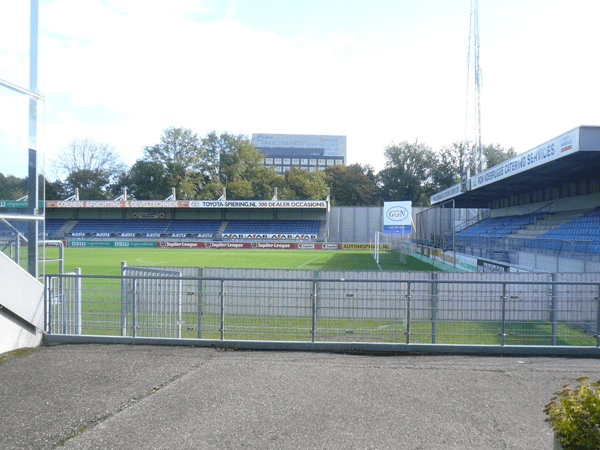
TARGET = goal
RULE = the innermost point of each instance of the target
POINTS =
(388, 242)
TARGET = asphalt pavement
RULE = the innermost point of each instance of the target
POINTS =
(156, 397)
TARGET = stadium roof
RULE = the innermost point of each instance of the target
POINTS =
(570, 157)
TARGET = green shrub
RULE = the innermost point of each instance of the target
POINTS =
(574, 414)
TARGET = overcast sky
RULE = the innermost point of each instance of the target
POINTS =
(376, 71)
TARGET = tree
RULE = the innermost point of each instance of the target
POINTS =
(299, 184)
(11, 187)
(55, 190)
(452, 161)
(145, 180)
(179, 154)
(408, 173)
(495, 154)
(232, 161)
(353, 185)
(89, 166)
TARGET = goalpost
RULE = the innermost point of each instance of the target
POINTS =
(384, 241)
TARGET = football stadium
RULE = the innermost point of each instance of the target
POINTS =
(506, 261)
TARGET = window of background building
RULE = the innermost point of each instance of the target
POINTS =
(321, 162)
(338, 162)
(277, 160)
(313, 162)
(269, 161)
(295, 161)
(330, 162)
(313, 169)
(286, 161)
(304, 161)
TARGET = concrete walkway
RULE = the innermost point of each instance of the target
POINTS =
(142, 397)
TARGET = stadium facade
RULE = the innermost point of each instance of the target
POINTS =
(306, 151)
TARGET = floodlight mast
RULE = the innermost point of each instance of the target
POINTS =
(474, 45)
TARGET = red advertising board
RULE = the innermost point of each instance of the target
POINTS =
(249, 245)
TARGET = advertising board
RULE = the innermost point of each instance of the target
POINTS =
(397, 217)
(112, 244)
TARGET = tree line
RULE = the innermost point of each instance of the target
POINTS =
(200, 167)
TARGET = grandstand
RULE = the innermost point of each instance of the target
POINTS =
(540, 209)
(182, 229)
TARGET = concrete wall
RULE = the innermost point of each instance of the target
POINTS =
(21, 307)
(549, 263)
(355, 223)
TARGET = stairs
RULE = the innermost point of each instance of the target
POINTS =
(219, 235)
(64, 229)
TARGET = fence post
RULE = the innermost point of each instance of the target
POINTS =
(133, 307)
(123, 299)
(77, 300)
(222, 310)
(503, 331)
(434, 293)
(598, 317)
(47, 303)
(553, 307)
(313, 314)
(179, 305)
(200, 269)
(408, 312)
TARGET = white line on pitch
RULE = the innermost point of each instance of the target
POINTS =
(307, 262)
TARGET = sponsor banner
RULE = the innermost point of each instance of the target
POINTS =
(446, 194)
(53, 244)
(294, 204)
(358, 246)
(491, 267)
(269, 236)
(78, 234)
(289, 204)
(397, 217)
(228, 245)
(147, 215)
(127, 235)
(153, 235)
(179, 244)
(556, 148)
(16, 204)
(178, 235)
(101, 234)
(112, 244)
(468, 263)
(274, 245)
(249, 245)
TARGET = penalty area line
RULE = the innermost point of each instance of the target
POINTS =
(307, 262)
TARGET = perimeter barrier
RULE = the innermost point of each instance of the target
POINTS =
(256, 305)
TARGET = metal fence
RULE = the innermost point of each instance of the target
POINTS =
(279, 305)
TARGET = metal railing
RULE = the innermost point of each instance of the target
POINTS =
(575, 249)
(369, 307)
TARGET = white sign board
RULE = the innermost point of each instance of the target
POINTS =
(556, 148)
(397, 217)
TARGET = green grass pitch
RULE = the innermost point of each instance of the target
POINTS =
(97, 261)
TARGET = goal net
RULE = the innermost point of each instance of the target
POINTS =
(394, 244)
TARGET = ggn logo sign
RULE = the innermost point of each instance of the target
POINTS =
(397, 214)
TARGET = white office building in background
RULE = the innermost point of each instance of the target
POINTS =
(307, 151)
